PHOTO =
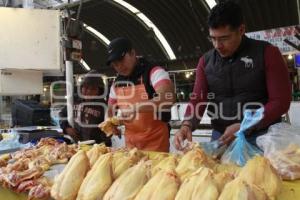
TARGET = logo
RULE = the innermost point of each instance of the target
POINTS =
(248, 62)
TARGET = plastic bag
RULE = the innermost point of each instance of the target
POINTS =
(240, 151)
(215, 149)
(281, 145)
(11, 143)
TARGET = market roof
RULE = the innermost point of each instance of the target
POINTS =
(182, 23)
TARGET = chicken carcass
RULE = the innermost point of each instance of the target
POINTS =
(95, 152)
(191, 161)
(127, 186)
(67, 184)
(167, 163)
(259, 171)
(163, 186)
(241, 190)
(199, 185)
(98, 179)
(124, 160)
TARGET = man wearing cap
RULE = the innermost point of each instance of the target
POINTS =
(88, 111)
(144, 93)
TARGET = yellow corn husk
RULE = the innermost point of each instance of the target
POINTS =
(98, 179)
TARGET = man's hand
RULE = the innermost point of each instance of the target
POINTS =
(182, 134)
(228, 135)
(73, 133)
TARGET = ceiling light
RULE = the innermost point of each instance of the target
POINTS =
(146, 21)
(290, 56)
(187, 75)
(97, 34)
(83, 63)
(128, 6)
(211, 3)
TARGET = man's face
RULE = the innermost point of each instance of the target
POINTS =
(125, 65)
(89, 90)
(226, 40)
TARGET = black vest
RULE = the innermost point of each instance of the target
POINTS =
(143, 69)
(235, 83)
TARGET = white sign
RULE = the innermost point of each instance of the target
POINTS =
(30, 39)
(276, 37)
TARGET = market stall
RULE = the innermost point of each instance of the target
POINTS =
(105, 172)
(39, 163)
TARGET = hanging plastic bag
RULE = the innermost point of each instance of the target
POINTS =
(240, 151)
(281, 145)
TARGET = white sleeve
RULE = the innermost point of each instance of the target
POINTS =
(112, 95)
(159, 76)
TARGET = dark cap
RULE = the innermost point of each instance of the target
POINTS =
(117, 49)
(92, 78)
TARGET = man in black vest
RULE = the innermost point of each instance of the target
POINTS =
(238, 73)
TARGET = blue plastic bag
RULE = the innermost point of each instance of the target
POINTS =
(240, 151)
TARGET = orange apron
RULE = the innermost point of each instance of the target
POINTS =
(144, 132)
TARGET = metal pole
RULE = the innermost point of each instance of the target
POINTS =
(70, 87)
(28, 4)
(1, 108)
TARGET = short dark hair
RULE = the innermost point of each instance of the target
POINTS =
(226, 13)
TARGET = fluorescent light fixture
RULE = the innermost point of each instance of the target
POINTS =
(97, 34)
(83, 63)
(211, 3)
(150, 25)
(128, 6)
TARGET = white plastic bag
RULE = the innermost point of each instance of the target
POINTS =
(281, 145)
